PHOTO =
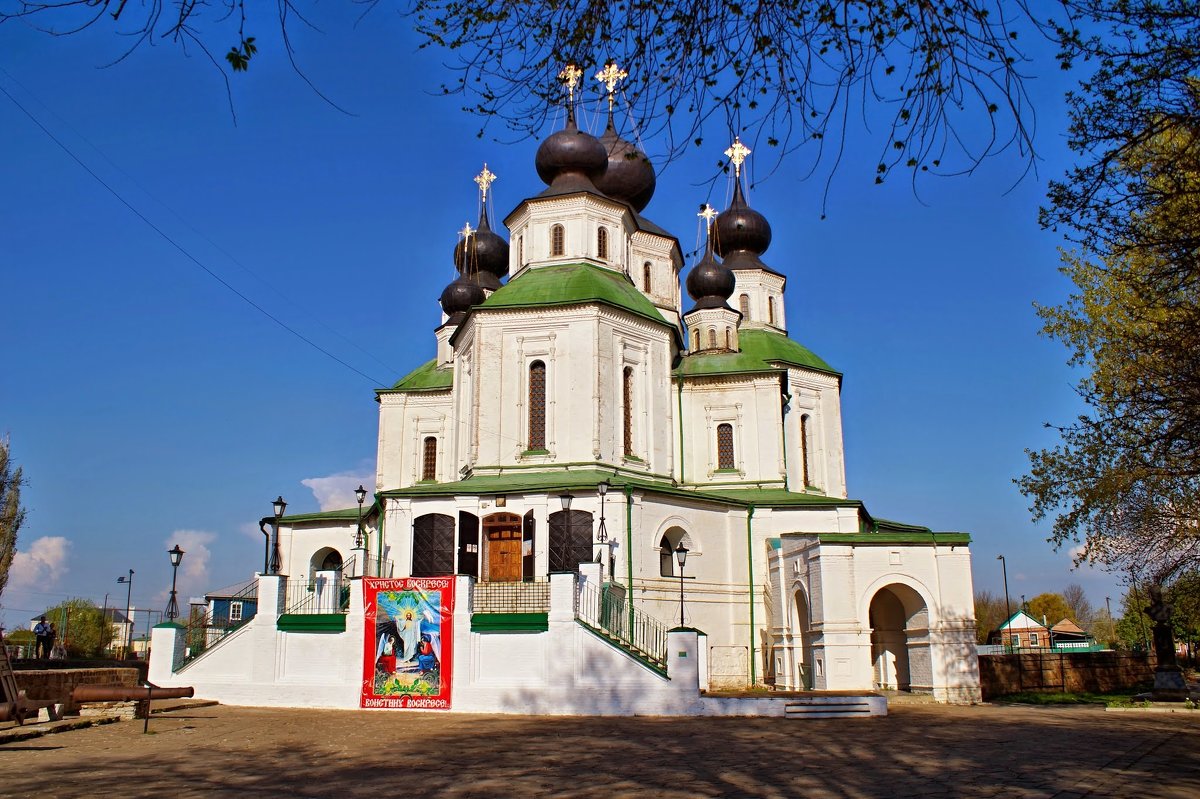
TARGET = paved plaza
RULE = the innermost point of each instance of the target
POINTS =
(919, 750)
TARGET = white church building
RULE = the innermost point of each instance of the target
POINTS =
(631, 501)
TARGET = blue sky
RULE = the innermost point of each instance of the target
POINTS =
(149, 405)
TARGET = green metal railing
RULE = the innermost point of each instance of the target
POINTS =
(204, 631)
(608, 611)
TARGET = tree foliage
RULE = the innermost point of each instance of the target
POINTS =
(12, 515)
(1125, 478)
(81, 627)
(990, 613)
(1049, 606)
(786, 73)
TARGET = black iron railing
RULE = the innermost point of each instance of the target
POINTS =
(327, 593)
(204, 630)
(607, 611)
(531, 597)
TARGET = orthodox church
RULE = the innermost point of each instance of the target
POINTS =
(589, 452)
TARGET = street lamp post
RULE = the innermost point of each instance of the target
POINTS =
(602, 533)
(1007, 607)
(361, 494)
(681, 553)
(172, 604)
(279, 505)
(128, 580)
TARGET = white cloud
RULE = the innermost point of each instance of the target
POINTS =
(193, 569)
(42, 565)
(337, 490)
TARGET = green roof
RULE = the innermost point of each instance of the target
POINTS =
(884, 538)
(348, 514)
(761, 351)
(426, 377)
(573, 284)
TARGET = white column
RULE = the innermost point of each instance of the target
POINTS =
(562, 597)
(166, 652)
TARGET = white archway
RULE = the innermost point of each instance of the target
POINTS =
(899, 621)
(802, 641)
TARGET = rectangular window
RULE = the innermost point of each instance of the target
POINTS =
(1033, 639)
(235, 611)
(429, 459)
(725, 459)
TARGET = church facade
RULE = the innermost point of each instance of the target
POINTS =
(682, 458)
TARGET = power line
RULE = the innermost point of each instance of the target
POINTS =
(180, 247)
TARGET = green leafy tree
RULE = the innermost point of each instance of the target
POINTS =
(990, 613)
(12, 515)
(81, 627)
(1049, 606)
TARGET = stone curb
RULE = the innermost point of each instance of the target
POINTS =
(1156, 709)
(37, 730)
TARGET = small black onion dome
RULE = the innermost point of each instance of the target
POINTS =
(743, 234)
(459, 296)
(630, 175)
(487, 257)
(710, 283)
(571, 155)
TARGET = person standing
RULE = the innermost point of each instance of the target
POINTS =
(54, 653)
(41, 639)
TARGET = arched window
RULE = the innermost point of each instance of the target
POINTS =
(744, 305)
(712, 339)
(728, 339)
(429, 459)
(602, 244)
(725, 446)
(667, 565)
(771, 310)
(627, 402)
(570, 540)
(805, 449)
(433, 545)
(520, 251)
(557, 240)
(646, 277)
(537, 405)
(695, 340)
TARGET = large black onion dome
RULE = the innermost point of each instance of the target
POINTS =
(459, 296)
(483, 254)
(630, 175)
(709, 283)
(571, 158)
(743, 234)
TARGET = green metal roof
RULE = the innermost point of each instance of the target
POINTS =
(348, 514)
(883, 538)
(761, 351)
(572, 284)
(426, 377)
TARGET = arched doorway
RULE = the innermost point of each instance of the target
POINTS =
(802, 642)
(324, 560)
(433, 545)
(570, 540)
(899, 622)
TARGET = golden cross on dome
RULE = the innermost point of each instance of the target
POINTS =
(485, 180)
(708, 212)
(737, 153)
(570, 76)
(610, 76)
(466, 232)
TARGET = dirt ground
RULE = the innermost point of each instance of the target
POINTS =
(919, 750)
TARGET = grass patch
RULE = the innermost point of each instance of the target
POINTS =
(1121, 698)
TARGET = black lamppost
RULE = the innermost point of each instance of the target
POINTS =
(361, 494)
(1007, 608)
(128, 580)
(681, 556)
(602, 533)
(176, 555)
(276, 558)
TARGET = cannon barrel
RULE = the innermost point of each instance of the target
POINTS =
(125, 693)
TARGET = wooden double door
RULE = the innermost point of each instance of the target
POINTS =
(504, 534)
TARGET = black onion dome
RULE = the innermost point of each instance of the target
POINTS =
(630, 175)
(743, 234)
(459, 296)
(571, 159)
(710, 283)
(487, 258)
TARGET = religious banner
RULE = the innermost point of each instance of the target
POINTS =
(409, 642)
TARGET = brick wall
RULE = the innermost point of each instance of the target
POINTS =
(1095, 672)
(58, 683)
